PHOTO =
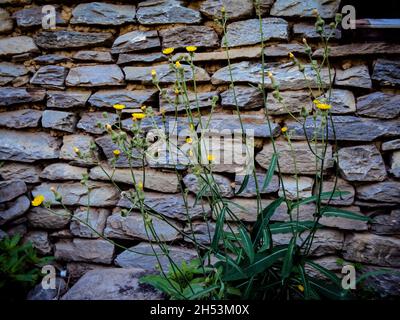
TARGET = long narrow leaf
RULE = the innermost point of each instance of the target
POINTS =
(335, 212)
(243, 185)
(270, 172)
(246, 244)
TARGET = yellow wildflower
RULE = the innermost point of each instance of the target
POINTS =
(178, 65)
(189, 140)
(143, 108)
(291, 55)
(300, 287)
(191, 48)
(153, 72)
(176, 91)
(76, 150)
(191, 127)
(162, 111)
(223, 9)
(140, 186)
(168, 50)
(210, 158)
(119, 106)
(116, 152)
(108, 127)
(284, 129)
(269, 74)
(138, 116)
(190, 153)
(38, 200)
(322, 106)
(315, 12)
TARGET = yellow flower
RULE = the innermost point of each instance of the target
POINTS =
(284, 129)
(315, 12)
(138, 116)
(168, 50)
(322, 106)
(76, 150)
(191, 48)
(119, 106)
(140, 186)
(108, 127)
(116, 152)
(191, 127)
(210, 158)
(153, 72)
(162, 110)
(291, 55)
(223, 9)
(38, 200)
(190, 153)
(143, 108)
(189, 140)
(269, 74)
(304, 40)
(300, 287)
(176, 91)
(178, 65)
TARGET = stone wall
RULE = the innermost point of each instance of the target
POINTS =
(55, 85)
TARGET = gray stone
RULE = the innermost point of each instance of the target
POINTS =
(52, 77)
(196, 184)
(332, 263)
(136, 40)
(94, 122)
(304, 8)
(264, 6)
(133, 227)
(83, 143)
(20, 171)
(162, 181)
(3, 235)
(243, 209)
(170, 102)
(40, 241)
(336, 186)
(78, 269)
(89, 222)
(342, 101)
(98, 13)
(293, 102)
(85, 250)
(308, 31)
(33, 17)
(142, 256)
(26, 118)
(10, 96)
(74, 193)
(372, 249)
(387, 191)
(287, 75)
(59, 120)
(165, 12)
(129, 98)
(386, 72)
(172, 206)
(234, 9)
(108, 146)
(112, 284)
(164, 74)
(296, 189)
(183, 36)
(124, 58)
(391, 145)
(51, 59)
(247, 32)
(10, 189)
(14, 209)
(40, 217)
(93, 56)
(203, 232)
(361, 163)
(385, 224)
(17, 45)
(18, 229)
(96, 75)
(325, 241)
(379, 105)
(348, 128)
(67, 99)
(65, 39)
(343, 223)
(395, 164)
(38, 293)
(6, 23)
(11, 73)
(28, 146)
(251, 188)
(356, 76)
(384, 284)
(246, 98)
(360, 49)
(62, 171)
(305, 158)
(231, 124)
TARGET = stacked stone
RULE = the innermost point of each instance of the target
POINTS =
(56, 84)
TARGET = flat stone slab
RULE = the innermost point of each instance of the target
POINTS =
(97, 75)
(63, 171)
(32, 17)
(356, 76)
(379, 105)
(10, 96)
(234, 9)
(130, 98)
(17, 45)
(59, 120)
(135, 41)
(11, 73)
(20, 119)
(170, 102)
(67, 99)
(93, 56)
(387, 191)
(64, 39)
(40, 217)
(20, 171)
(244, 97)
(89, 222)
(13, 209)
(360, 49)
(304, 8)
(180, 37)
(387, 73)
(95, 122)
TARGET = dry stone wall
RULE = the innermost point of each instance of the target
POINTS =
(55, 85)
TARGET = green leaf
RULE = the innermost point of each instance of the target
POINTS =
(335, 212)
(323, 195)
(170, 287)
(266, 240)
(246, 243)
(288, 261)
(219, 228)
(230, 263)
(244, 184)
(287, 227)
(327, 273)
(327, 290)
(270, 172)
(203, 293)
(304, 280)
